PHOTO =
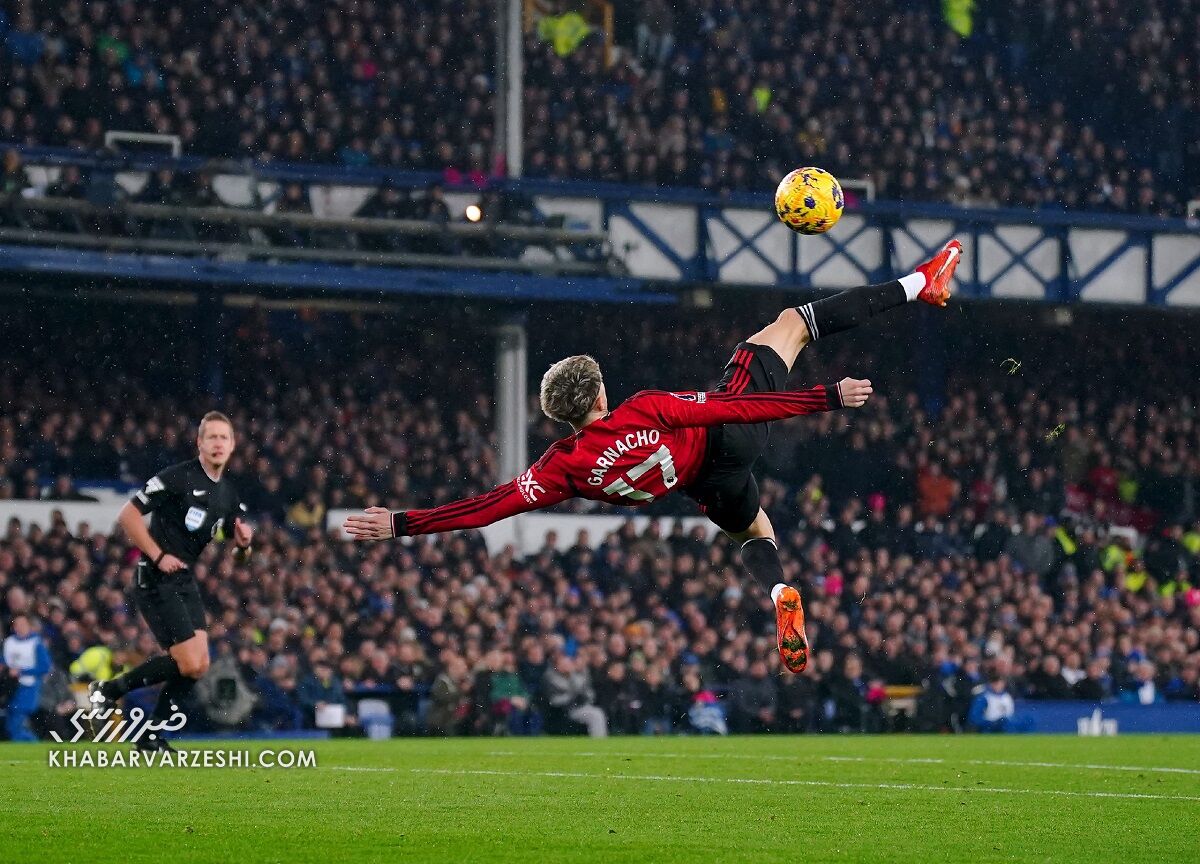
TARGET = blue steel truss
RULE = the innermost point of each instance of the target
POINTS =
(1080, 257)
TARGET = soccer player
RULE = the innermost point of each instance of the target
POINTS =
(189, 504)
(703, 443)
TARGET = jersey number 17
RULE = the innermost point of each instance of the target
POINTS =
(660, 457)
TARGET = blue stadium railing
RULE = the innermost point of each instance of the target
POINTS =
(672, 236)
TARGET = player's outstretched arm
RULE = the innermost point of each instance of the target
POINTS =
(675, 410)
(519, 495)
(375, 523)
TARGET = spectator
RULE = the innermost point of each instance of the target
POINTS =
(13, 178)
(1032, 549)
(277, 708)
(1047, 682)
(508, 698)
(308, 513)
(656, 699)
(64, 490)
(318, 688)
(1096, 686)
(797, 702)
(754, 701)
(844, 697)
(1142, 689)
(568, 689)
(994, 710)
(412, 682)
(935, 491)
(619, 694)
(27, 661)
(450, 703)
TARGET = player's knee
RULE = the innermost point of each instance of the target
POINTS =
(761, 528)
(797, 326)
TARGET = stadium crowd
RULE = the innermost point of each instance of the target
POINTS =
(1045, 104)
(939, 550)
(317, 430)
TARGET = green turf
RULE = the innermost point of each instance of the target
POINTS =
(626, 799)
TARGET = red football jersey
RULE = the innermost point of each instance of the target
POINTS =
(649, 445)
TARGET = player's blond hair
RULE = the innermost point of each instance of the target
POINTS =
(569, 389)
(210, 417)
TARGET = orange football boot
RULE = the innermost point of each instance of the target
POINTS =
(789, 620)
(939, 270)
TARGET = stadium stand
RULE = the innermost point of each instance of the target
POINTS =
(720, 95)
(1057, 151)
(1043, 525)
(326, 404)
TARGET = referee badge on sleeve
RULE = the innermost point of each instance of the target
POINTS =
(194, 518)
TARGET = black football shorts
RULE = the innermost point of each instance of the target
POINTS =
(726, 489)
(170, 603)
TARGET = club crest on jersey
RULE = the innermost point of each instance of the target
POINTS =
(528, 487)
(194, 518)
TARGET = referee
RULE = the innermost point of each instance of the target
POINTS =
(189, 504)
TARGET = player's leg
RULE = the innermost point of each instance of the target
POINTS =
(169, 621)
(760, 557)
(786, 336)
(794, 328)
(191, 655)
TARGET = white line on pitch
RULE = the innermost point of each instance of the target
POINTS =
(759, 781)
(1007, 764)
(768, 757)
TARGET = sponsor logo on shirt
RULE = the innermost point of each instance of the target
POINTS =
(528, 487)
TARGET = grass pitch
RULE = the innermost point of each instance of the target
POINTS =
(810, 799)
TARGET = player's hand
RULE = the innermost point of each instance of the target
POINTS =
(854, 392)
(242, 533)
(170, 564)
(375, 523)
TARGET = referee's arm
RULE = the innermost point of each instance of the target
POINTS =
(130, 519)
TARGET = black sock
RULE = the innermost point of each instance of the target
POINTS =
(171, 698)
(847, 310)
(152, 671)
(760, 557)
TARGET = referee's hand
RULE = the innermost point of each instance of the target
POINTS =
(242, 533)
(169, 564)
(375, 523)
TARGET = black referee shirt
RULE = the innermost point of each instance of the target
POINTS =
(188, 509)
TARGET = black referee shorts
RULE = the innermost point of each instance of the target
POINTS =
(170, 603)
(726, 489)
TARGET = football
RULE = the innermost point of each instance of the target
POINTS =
(809, 200)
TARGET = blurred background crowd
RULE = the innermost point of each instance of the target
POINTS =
(992, 522)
